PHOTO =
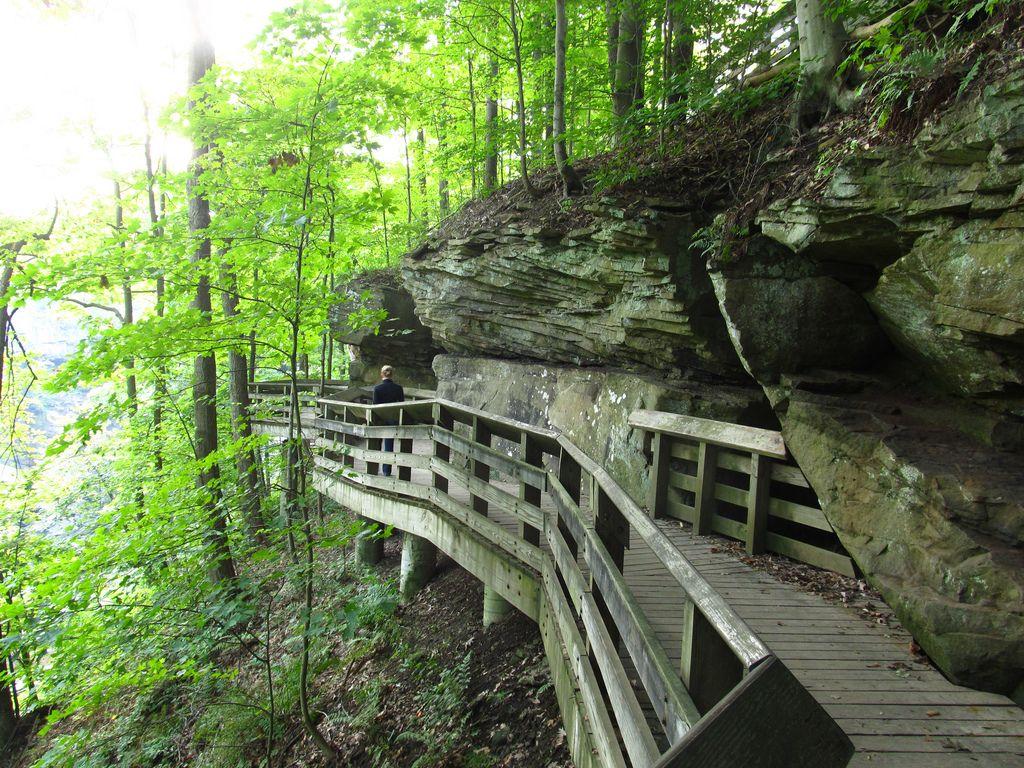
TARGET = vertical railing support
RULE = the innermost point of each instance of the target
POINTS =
(571, 477)
(531, 454)
(347, 416)
(478, 469)
(657, 492)
(372, 443)
(757, 503)
(404, 445)
(704, 503)
(708, 667)
(443, 419)
(612, 529)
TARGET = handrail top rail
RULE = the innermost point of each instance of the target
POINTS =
(765, 442)
(736, 633)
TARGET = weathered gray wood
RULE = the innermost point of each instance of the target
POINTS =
(743, 641)
(442, 450)
(708, 665)
(744, 728)
(519, 470)
(480, 469)
(606, 742)
(757, 504)
(636, 736)
(525, 513)
(657, 487)
(719, 433)
(532, 454)
(705, 488)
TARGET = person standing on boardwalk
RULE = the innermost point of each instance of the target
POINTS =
(387, 392)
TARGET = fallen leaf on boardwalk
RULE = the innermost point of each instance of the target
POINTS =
(932, 713)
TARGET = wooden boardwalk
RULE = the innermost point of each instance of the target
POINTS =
(692, 613)
(897, 712)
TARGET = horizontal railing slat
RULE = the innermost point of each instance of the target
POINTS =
(753, 439)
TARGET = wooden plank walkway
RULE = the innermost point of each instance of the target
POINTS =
(898, 712)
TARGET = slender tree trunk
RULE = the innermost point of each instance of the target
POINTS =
(822, 40)
(570, 179)
(443, 200)
(472, 127)
(5, 314)
(628, 91)
(611, 12)
(680, 48)
(204, 389)
(408, 188)
(517, 49)
(128, 305)
(238, 388)
(421, 162)
(491, 132)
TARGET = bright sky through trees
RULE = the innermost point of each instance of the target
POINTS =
(67, 83)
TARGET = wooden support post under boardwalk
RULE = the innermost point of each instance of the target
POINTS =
(757, 503)
(442, 418)
(657, 490)
(369, 545)
(531, 454)
(477, 468)
(419, 562)
(704, 503)
(496, 607)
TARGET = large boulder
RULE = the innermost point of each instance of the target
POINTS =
(592, 406)
(626, 290)
(785, 313)
(934, 520)
(375, 318)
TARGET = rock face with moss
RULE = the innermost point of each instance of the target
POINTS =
(376, 321)
(917, 459)
(882, 320)
(592, 405)
(625, 290)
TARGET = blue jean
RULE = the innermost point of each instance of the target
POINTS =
(389, 446)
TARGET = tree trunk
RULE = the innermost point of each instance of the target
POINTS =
(611, 12)
(128, 305)
(570, 179)
(421, 161)
(204, 389)
(628, 92)
(491, 132)
(680, 54)
(472, 126)
(822, 40)
(517, 49)
(238, 387)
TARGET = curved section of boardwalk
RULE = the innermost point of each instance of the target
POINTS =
(664, 650)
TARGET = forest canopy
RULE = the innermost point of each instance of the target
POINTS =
(150, 528)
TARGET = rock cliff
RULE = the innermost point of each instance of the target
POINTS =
(880, 323)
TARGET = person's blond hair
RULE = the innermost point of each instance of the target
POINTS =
(386, 371)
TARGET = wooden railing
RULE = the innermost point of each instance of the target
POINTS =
(734, 480)
(476, 467)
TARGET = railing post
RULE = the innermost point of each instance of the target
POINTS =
(704, 503)
(708, 667)
(404, 445)
(612, 529)
(757, 503)
(373, 444)
(443, 419)
(479, 469)
(570, 476)
(531, 454)
(348, 460)
(657, 492)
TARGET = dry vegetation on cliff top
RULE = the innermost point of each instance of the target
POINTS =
(738, 156)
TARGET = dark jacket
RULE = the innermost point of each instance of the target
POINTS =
(388, 392)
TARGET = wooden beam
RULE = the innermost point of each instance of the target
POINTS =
(531, 453)
(757, 503)
(657, 488)
(477, 468)
(707, 465)
(720, 433)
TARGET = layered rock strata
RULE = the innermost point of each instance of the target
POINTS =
(624, 291)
